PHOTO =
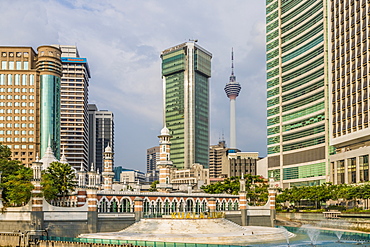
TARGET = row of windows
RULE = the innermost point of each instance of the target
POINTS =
(273, 92)
(272, 35)
(16, 146)
(272, 64)
(307, 111)
(302, 18)
(18, 79)
(302, 29)
(298, 10)
(303, 91)
(303, 102)
(9, 118)
(273, 83)
(17, 90)
(304, 80)
(272, 17)
(304, 70)
(273, 101)
(272, 54)
(303, 59)
(16, 125)
(272, 26)
(24, 111)
(305, 122)
(10, 65)
(303, 49)
(302, 39)
(272, 111)
(269, 1)
(271, 8)
(273, 150)
(273, 121)
(272, 45)
(304, 133)
(273, 130)
(17, 97)
(273, 140)
(307, 171)
(304, 144)
(16, 132)
(272, 73)
(11, 54)
(17, 104)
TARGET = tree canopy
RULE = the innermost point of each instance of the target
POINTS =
(58, 180)
(15, 179)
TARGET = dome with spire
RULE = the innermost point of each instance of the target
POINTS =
(165, 131)
(108, 149)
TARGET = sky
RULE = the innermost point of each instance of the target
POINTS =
(123, 39)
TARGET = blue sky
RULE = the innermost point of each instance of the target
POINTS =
(122, 41)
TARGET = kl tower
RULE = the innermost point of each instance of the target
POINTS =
(232, 90)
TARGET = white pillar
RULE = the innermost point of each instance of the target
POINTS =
(232, 124)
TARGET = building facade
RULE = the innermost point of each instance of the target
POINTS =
(349, 96)
(216, 154)
(74, 106)
(186, 69)
(152, 157)
(297, 95)
(101, 134)
(29, 101)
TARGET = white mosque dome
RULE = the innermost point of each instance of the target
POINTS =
(108, 149)
(165, 131)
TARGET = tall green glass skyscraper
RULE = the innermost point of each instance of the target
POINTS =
(49, 66)
(297, 93)
(186, 69)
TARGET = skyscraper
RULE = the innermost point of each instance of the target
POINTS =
(186, 69)
(297, 98)
(101, 129)
(74, 111)
(232, 90)
(349, 93)
(29, 101)
(152, 157)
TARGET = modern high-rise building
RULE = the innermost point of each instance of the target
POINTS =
(30, 101)
(297, 92)
(232, 90)
(186, 69)
(216, 154)
(152, 157)
(74, 110)
(101, 129)
(349, 90)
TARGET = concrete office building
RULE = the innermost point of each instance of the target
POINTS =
(152, 157)
(349, 94)
(74, 109)
(297, 98)
(186, 69)
(29, 101)
(101, 134)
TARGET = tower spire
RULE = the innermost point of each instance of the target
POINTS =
(232, 76)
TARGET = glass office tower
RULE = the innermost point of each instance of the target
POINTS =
(186, 69)
(297, 93)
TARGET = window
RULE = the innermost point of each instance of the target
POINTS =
(31, 111)
(24, 79)
(30, 139)
(9, 125)
(16, 139)
(24, 90)
(1, 132)
(16, 79)
(24, 96)
(24, 132)
(18, 65)
(1, 125)
(32, 97)
(16, 132)
(11, 64)
(16, 111)
(1, 139)
(30, 118)
(16, 146)
(24, 104)
(17, 90)
(2, 90)
(16, 118)
(9, 111)
(2, 118)
(32, 79)
(2, 96)
(24, 139)
(30, 132)
(16, 125)
(2, 104)
(24, 146)
(9, 97)
(8, 132)
(31, 125)
(8, 118)
(8, 139)
(3, 65)
(9, 90)
(32, 90)
(10, 79)
(30, 146)
(24, 125)
(32, 104)
(25, 65)
(24, 111)
(2, 111)
(24, 118)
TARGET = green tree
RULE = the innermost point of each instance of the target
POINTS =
(153, 186)
(18, 187)
(58, 180)
(15, 179)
